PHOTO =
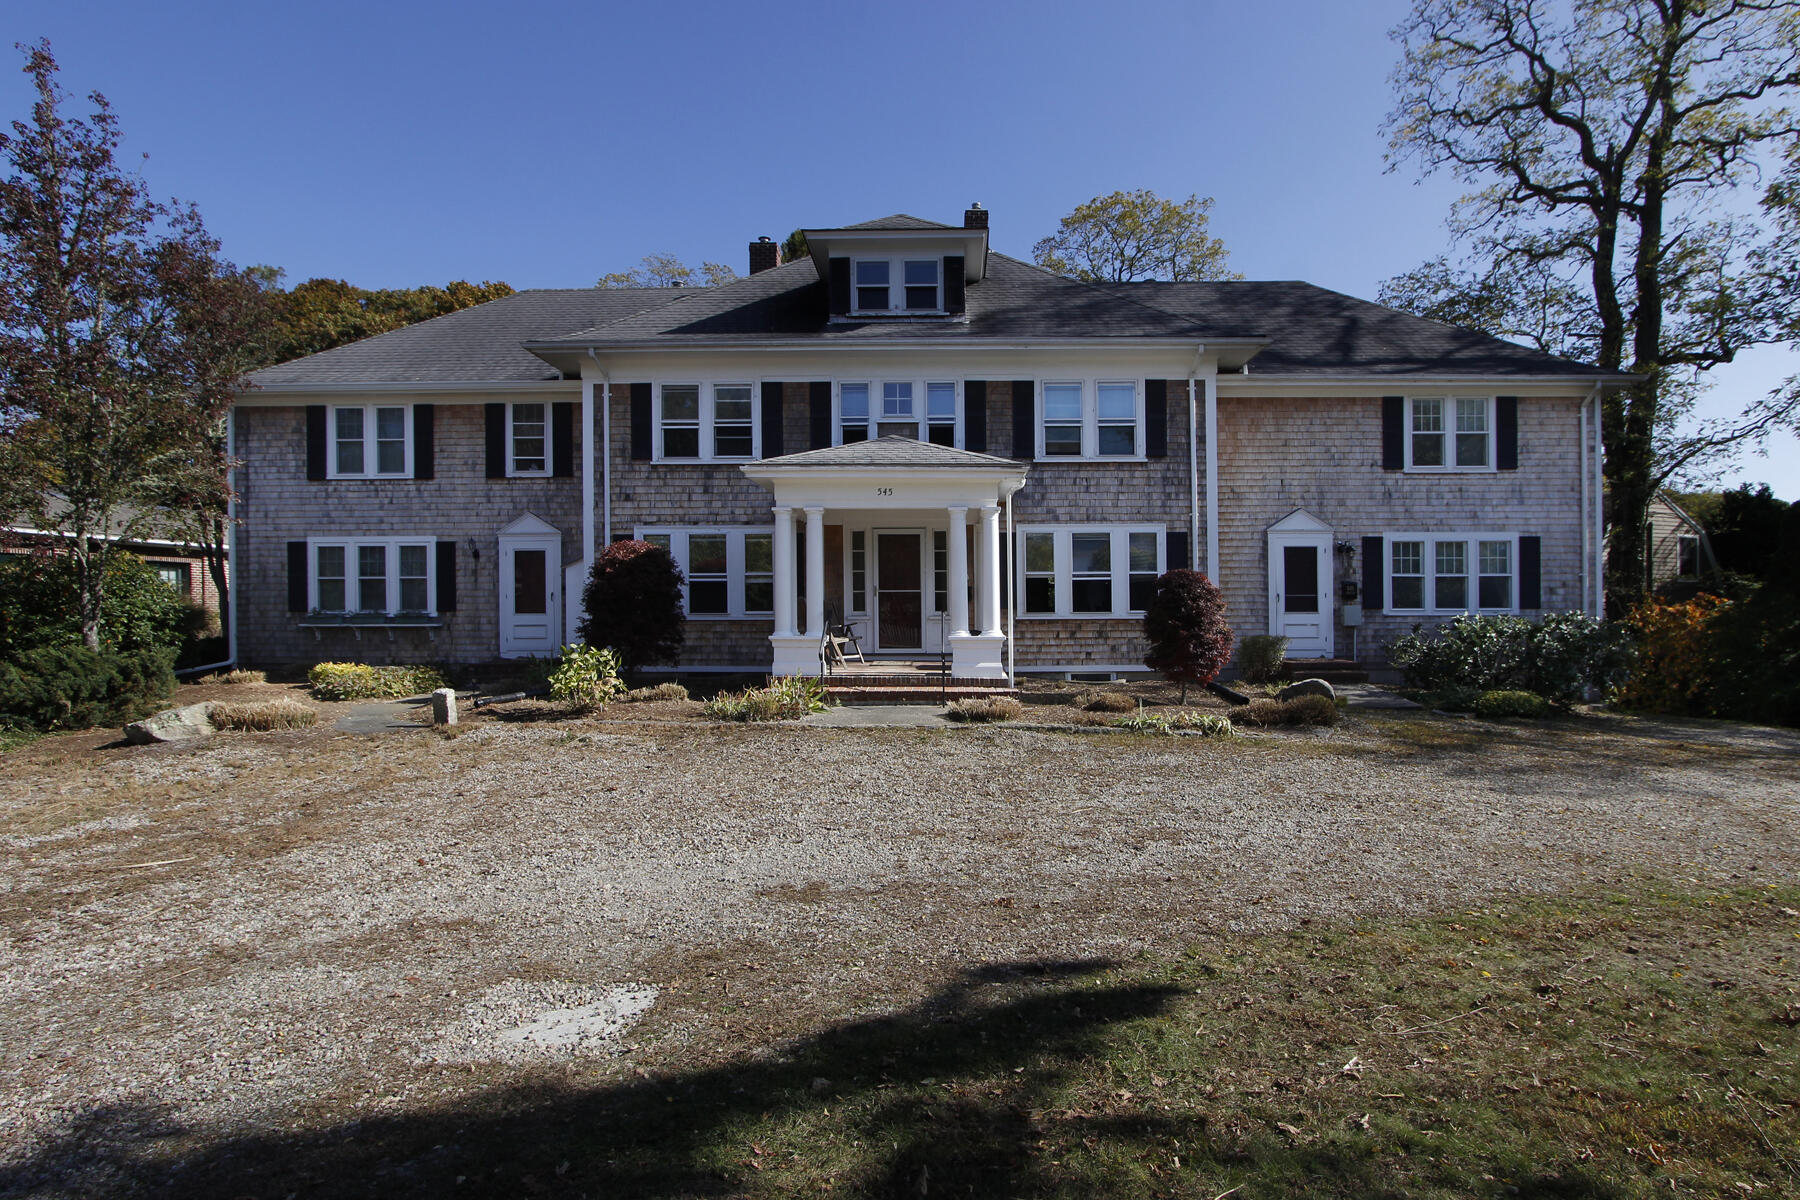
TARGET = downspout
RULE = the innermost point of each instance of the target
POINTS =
(1599, 507)
(1012, 606)
(604, 389)
(1194, 472)
(231, 554)
(1212, 479)
(1587, 553)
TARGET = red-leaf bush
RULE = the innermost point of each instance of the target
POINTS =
(633, 603)
(1185, 625)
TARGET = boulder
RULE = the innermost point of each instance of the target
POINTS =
(1307, 687)
(172, 725)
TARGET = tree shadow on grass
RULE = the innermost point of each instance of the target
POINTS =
(955, 1096)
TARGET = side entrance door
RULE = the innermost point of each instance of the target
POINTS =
(1300, 601)
(530, 594)
(899, 595)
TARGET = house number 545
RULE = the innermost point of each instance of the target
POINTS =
(884, 491)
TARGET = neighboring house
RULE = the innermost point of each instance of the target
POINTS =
(181, 565)
(1676, 548)
(953, 449)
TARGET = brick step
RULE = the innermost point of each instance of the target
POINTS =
(915, 693)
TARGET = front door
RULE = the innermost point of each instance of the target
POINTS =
(530, 595)
(899, 595)
(1300, 593)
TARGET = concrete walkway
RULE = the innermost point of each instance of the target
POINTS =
(385, 716)
(872, 716)
(1368, 695)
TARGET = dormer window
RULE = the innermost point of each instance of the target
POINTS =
(899, 285)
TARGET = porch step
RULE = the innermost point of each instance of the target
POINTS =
(1331, 670)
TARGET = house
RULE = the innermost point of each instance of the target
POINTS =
(953, 450)
(1677, 552)
(153, 537)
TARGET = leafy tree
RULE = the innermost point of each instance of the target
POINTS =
(1603, 138)
(793, 247)
(1745, 530)
(1129, 236)
(665, 270)
(1185, 626)
(38, 606)
(322, 313)
(120, 337)
(633, 604)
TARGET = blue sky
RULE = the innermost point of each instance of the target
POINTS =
(394, 144)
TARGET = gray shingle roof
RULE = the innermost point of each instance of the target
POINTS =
(890, 451)
(482, 344)
(899, 221)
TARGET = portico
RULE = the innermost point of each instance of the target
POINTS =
(913, 517)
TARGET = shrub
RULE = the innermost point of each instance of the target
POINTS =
(236, 676)
(1301, 710)
(633, 602)
(359, 681)
(38, 607)
(1674, 669)
(72, 687)
(1185, 626)
(984, 709)
(1261, 655)
(785, 699)
(1112, 702)
(1453, 699)
(1559, 657)
(262, 717)
(662, 691)
(1755, 646)
(1511, 703)
(1210, 724)
(587, 677)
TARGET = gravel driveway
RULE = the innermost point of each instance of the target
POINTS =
(266, 931)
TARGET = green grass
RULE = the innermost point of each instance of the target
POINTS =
(1613, 1046)
(13, 739)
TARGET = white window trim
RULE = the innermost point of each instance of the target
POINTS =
(734, 565)
(1063, 556)
(392, 564)
(706, 387)
(921, 386)
(1687, 539)
(1090, 420)
(896, 286)
(1428, 568)
(512, 469)
(1450, 467)
(369, 440)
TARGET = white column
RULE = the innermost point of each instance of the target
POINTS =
(784, 571)
(815, 571)
(959, 571)
(989, 590)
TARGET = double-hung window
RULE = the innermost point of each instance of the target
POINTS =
(1107, 571)
(926, 409)
(1452, 573)
(727, 572)
(1450, 433)
(528, 439)
(1091, 419)
(913, 285)
(1687, 556)
(706, 422)
(370, 440)
(372, 577)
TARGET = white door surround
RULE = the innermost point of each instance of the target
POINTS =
(531, 583)
(1301, 605)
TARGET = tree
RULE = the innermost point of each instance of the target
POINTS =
(322, 313)
(119, 348)
(1185, 626)
(1129, 236)
(633, 604)
(793, 247)
(1745, 529)
(665, 270)
(1605, 138)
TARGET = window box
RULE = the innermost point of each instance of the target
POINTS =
(1452, 572)
(1094, 571)
(370, 441)
(708, 422)
(1090, 419)
(726, 573)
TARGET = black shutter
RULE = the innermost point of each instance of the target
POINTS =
(1374, 586)
(771, 420)
(1024, 404)
(1393, 433)
(562, 439)
(297, 577)
(1506, 433)
(642, 435)
(496, 441)
(1531, 580)
(1156, 418)
(818, 413)
(839, 272)
(953, 283)
(424, 441)
(315, 441)
(1175, 550)
(446, 577)
(975, 415)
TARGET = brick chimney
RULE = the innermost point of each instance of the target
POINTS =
(764, 254)
(975, 217)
